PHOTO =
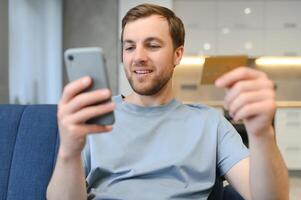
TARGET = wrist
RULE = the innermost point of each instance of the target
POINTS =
(67, 156)
(265, 135)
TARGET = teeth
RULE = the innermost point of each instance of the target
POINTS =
(142, 71)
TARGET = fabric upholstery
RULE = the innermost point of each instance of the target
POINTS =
(28, 145)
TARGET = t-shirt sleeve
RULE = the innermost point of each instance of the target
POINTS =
(230, 148)
(86, 157)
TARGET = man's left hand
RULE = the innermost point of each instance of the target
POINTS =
(250, 97)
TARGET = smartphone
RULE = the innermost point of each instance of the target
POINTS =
(89, 61)
(216, 66)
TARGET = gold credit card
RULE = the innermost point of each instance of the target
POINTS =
(215, 66)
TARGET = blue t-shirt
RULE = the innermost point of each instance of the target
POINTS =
(173, 151)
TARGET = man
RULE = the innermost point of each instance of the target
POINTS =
(160, 148)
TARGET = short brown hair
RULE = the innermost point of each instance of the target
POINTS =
(176, 27)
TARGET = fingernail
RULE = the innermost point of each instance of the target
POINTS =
(86, 81)
(106, 92)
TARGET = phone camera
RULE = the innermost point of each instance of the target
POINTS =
(70, 57)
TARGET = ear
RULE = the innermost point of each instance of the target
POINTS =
(178, 55)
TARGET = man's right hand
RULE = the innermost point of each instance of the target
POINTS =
(74, 109)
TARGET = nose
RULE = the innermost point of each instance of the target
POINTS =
(140, 54)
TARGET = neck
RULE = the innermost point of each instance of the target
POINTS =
(164, 96)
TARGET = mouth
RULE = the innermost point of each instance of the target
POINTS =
(143, 72)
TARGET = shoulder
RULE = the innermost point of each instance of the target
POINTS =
(209, 116)
(204, 109)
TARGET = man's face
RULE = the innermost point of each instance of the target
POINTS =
(148, 54)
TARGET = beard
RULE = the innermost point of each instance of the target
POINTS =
(150, 85)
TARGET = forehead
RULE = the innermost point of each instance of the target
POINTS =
(154, 26)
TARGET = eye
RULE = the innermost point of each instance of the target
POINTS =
(154, 46)
(129, 48)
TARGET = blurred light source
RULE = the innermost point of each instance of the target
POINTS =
(207, 46)
(192, 61)
(247, 11)
(278, 61)
(248, 45)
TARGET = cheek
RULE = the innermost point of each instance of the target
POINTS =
(126, 56)
(125, 61)
(168, 62)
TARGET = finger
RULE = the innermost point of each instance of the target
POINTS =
(86, 129)
(246, 86)
(266, 107)
(87, 98)
(74, 88)
(249, 98)
(90, 112)
(241, 73)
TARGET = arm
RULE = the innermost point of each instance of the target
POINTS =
(68, 180)
(250, 97)
(268, 169)
(75, 108)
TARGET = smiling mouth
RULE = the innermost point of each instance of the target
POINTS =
(142, 72)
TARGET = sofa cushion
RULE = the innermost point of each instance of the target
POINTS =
(29, 156)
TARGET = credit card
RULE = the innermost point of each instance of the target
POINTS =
(216, 66)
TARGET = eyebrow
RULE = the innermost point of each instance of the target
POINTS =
(128, 41)
(150, 39)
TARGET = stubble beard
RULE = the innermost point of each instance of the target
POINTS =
(152, 88)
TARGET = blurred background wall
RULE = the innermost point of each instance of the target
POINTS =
(254, 28)
(93, 23)
(261, 28)
(35, 51)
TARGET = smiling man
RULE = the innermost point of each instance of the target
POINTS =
(160, 148)
(149, 57)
